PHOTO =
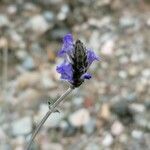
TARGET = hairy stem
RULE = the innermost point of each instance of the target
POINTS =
(52, 109)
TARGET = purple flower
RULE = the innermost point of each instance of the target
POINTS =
(77, 60)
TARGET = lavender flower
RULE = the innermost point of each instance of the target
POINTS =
(77, 60)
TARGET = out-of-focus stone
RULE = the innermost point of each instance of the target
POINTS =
(117, 128)
(53, 120)
(137, 108)
(28, 79)
(90, 126)
(107, 140)
(51, 146)
(137, 134)
(78, 101)
(79, 118)
(3, 20)
(22, 126)
(28, 63)
(63, 12)
(105, 112)
(108, 47)
(92, 146)
(38, 24)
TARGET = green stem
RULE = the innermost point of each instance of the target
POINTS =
(52, 109)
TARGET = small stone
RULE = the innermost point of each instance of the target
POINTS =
(38, 24)
(28, 79)
(51, 146)
(137, 108)
(105, 112)
(2, 135)
(5, 146)
(121, 108)
(93, 146)
(48, 15)
(123, 74)
(79, 118)
(128, 21)
(22, 126)
(108, 47)
(53, 120)
(90, 126)
(133, 71)
(117, 128)
(12, 9)
(3, 20)
(63, 12)
(107, 140)
(137, 134)
(78, 101)
(69, 130)
(28, 63)
(46, 81)
(58, 33)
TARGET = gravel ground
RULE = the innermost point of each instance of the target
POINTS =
(111, 111)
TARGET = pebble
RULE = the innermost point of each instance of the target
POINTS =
(5, 146)
(79, 118)
(78, 101)
(38, 24)
(63, 12)
(2, 135)
(92, 146)
(105, 112)
(68, 129)
(90, 126)
(117, 128)
(128, 21)
(137, 108)
(137, 134)
(54, 119)
(28, 63)
(3, 20)
(108, 48)
(51, 146)
(12, 9)
(46, 81)
(22, 126)
(49, 16)
(107, 140)
(28, 79)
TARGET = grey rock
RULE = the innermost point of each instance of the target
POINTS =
(78, 101)
(79, 118)
(38, 24)
(54, 119)
(90, 126)
(117, 128)
(5, 146)
(63, 12)
(137, 108)
(59, 33)
(107, 140)
(3, 20)
(22, 126)
(49, 16)
(93, 146)
(28, 63)
(137, 134)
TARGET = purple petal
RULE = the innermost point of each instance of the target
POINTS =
(91, 56)
(65, 69)
(86, 76)
(67, 46)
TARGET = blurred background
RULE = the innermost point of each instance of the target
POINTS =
(109, 112)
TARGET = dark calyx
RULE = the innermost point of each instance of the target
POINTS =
(79, 63)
